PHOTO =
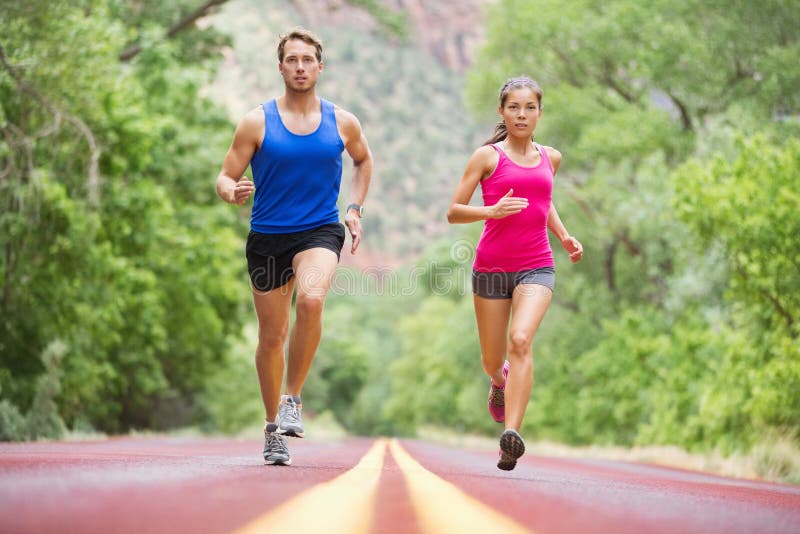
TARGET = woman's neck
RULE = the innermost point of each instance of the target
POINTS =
(522, 146)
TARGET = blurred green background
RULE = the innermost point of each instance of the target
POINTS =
(125, 303)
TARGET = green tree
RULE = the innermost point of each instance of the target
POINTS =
(748, 206)
(109, 244)
(634, 343)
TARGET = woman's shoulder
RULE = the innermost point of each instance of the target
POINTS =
(485, 151)
(553, 154)
(486, 156)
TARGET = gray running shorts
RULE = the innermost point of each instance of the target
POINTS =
(501, 285)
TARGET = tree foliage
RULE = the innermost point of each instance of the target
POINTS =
(111, 248)
(680, 325)
(123, 287)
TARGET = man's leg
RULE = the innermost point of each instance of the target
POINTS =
(273, 309)
(314, 269)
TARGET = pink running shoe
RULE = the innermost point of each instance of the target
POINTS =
(511, 448)
(497, 398)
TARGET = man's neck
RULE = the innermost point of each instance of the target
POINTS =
(301, 103)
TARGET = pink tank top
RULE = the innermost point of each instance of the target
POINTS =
(518, 242)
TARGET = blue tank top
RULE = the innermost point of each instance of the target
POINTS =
(297, 177)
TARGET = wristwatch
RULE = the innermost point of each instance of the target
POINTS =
(357, 207)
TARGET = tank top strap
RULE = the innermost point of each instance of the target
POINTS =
(500, 151)
(543, 154)
(328, 113)
(271, 118)
(270, 107)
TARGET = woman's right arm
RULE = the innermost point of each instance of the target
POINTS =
(482, 162)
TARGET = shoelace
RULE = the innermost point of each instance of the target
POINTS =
(292, 411)
(276, 443)
(497, 396)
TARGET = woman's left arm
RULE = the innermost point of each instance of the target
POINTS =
(554, 224)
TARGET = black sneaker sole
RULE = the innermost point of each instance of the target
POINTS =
(292, 433)
(511, 447)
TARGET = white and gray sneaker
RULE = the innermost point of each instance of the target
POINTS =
(275, 450)
(290, 419)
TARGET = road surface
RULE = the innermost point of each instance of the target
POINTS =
(174, 485)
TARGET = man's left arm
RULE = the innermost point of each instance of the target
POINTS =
(355, 143)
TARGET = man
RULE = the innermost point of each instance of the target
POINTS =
(294, 144)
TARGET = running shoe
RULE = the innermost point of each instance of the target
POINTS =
(511, 448)
(275, 450)
(290, 420)
(497, 397)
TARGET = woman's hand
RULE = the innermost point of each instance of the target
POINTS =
(507, 205)
(574, 248)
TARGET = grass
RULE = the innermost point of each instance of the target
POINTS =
(775, 459)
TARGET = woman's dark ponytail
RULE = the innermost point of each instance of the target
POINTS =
(500, 133)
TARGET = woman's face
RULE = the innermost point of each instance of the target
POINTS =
(521, 112)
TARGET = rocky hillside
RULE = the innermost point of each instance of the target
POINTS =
(449, 30)
(411, 108)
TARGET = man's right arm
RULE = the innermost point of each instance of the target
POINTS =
(230, 186)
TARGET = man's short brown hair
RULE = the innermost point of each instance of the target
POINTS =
(301, 34)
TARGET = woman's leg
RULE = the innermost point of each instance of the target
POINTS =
(492, 317)
(529, 305)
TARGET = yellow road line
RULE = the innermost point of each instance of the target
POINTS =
(442, 507)
(344, 504)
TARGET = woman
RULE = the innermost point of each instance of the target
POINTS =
(513, 275)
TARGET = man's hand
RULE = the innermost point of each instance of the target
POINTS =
(353, 223)
(242, 191)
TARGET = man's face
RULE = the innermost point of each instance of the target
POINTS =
(300, 68)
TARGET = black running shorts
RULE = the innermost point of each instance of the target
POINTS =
(269, 256)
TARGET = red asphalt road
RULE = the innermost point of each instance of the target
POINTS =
(174, 485)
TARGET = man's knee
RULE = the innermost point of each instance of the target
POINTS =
(272, 339)
(309, 305)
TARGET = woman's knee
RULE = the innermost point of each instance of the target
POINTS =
(492, 364)
(519, 343)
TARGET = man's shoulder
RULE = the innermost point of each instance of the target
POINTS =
(253, 119)
(255, 114)
(251, 126)
(343, 113)
(347, 122)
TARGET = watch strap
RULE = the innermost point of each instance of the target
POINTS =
(357, 207)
